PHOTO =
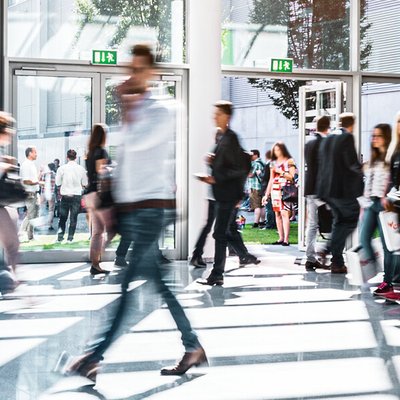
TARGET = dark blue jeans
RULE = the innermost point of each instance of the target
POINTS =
(369, 224)
(345, 219)
(70, 205)
(143, 227)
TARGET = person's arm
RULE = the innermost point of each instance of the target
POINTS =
(84, 178)
(350, 157)
(59, 176)
(290, 175)
(269, 187)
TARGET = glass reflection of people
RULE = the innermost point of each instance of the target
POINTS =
(30, 178)
(72, 179)
(101, 218)
(144, 191)
(48, 194)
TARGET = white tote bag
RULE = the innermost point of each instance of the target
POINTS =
(360, 270)
(390, 227)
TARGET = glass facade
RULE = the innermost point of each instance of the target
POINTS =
(315, 33)
(381, 36)
(71, 29)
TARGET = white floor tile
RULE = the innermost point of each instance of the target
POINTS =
(35, 327)
(274, 314)
(13, 348)
(237, 342)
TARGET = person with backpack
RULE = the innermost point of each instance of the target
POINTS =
(255, 184)
(230, 166)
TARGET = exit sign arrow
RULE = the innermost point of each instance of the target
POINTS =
(282, 65)
(104, 57)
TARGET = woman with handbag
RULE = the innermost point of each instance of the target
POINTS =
(101, 219)
(377, 177)
(8, 227)
(282, 189)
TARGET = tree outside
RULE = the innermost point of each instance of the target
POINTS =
(318, 38)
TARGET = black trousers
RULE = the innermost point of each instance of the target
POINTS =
(234, 238)
(70, 206)
(345, 219)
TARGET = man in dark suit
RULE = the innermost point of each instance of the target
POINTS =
(227, 180)
(310, 190)
(340, 183)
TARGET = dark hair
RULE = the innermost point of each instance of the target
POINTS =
(283, 148)
(256, 152)
(142, 50)
(57, 159)
(71, 155)
(52, 167)
(97, 138)
(376, 155)
(28, 151)
(347, 120)
(323, 123)
(268, 154)
(225, 106)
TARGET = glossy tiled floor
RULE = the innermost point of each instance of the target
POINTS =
(273, 331)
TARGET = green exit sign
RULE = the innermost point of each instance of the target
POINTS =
(281, 65)
(104, 57)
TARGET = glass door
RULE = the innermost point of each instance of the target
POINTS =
(317, 99)
(54, 113)
(55, 110)
(168, 88)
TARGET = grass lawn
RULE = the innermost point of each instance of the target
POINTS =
(267, 236)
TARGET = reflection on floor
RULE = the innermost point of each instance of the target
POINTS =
(273, 331)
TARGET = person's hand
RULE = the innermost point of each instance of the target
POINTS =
(208, 179)
(258, 172)
(279, 171)
(386, 204)
(264, 200)
(209, 158)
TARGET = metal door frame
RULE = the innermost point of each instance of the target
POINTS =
(99, 74)
(319, 88)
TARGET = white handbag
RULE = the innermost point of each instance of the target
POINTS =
(390, 228)
(360, 271)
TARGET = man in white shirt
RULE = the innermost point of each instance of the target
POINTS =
(30, 178)
(71, 178)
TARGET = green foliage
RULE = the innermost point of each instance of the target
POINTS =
(318, 38)
(128, 13)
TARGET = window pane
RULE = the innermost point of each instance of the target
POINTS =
(54, 114)
(382, 36)
(71, 29)
(315, 33)
(380, 104)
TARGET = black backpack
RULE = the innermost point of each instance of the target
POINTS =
(245, 161)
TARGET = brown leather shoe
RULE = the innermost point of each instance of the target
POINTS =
(81, 366)
(338, 269)
(194, 358)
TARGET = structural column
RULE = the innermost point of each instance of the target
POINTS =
(204, 53)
